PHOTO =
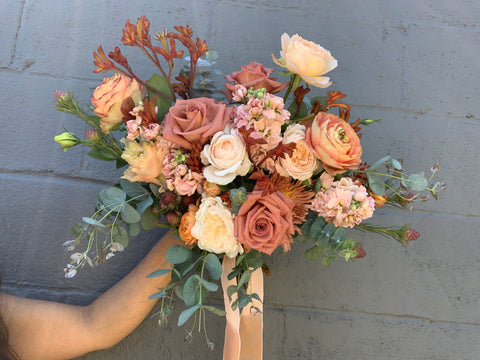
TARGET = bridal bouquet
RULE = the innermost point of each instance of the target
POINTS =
(234, 179)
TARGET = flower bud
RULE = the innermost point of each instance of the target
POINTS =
(166, 199)
(411, 234)
(67, 140)
(172, 218)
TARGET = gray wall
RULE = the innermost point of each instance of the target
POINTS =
(414, 63)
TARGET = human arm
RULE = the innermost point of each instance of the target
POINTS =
(49, 330)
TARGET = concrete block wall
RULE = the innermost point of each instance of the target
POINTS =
(413, 63)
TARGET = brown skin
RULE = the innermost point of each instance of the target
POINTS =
(49, 330)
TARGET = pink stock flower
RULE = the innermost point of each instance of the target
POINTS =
(343, 202)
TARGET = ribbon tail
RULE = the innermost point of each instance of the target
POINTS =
(251, 321)
(231, 347)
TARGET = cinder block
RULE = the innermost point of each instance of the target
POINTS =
(11, 15)
(442, 79)
(433, 278)
(324, 335)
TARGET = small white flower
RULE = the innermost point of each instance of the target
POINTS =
(70, 271)
(109, 256)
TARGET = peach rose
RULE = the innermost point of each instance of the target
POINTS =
(303, 162)
(255, 76)
(109, 96)
(195, 120)
(145, 160)
(265, 222)
(306, 59)
(214, 228)
(334, 143)
(226, 157)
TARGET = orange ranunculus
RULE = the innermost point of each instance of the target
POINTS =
(109, 96)
(255, 76)
(334, 143)
(186, 225)
(306, 59)
(265, 221)
(195, 120)
(145, 160)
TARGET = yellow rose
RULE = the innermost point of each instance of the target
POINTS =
(145, 160)
(109, 96)
(303, 162)
(214, 228)
(306, 59)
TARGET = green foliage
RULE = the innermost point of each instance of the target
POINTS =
(163, 102)
(177, 254)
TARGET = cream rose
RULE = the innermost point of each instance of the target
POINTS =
(145, 160)
(214, 228)
(302, 164)
(306, 59)
(226, 157)
(109, 96)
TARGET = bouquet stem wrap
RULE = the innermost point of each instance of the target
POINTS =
(243, 332)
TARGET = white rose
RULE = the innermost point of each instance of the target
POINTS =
(226, 157)
(303, 163)
(214, 228)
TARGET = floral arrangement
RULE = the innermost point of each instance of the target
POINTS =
(234, 181)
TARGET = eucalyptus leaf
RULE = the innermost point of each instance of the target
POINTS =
(149, 220)
(133, 229)
(210, 286)
(213, 265)
(186, 314)
(329, 230)
(339, 235)
(316, 229)
(245, 278)
(120, 235)
(379, 162)
(191, 290)
(158, 295)
(376, 184)
(92, 221)
(133, 189)
(177, 254)
(417, 182)
(232, 289)
(130, 215)
(158, 273)
(314, 253)
(144, 204)
(396, 164)
(215, 310)
(113, 198)
(234, 273)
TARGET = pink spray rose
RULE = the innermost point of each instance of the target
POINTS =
(334, 143)
(195, 120)
(109, 96)
(265, 221)
(255, 76)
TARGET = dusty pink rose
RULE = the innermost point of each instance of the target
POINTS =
(109, 95)
(255, 76)
(308, 60)
(265, 222)
(334, 143)
(145, 160)
(195, 120)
